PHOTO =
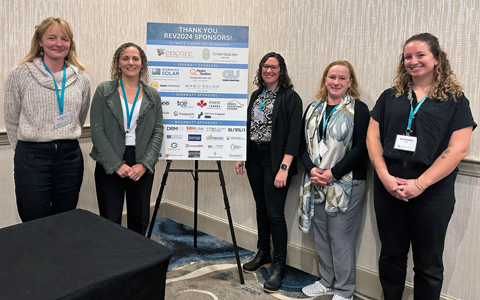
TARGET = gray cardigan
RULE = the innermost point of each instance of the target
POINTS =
(108, 132)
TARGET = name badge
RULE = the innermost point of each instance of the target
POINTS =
(323, 148)
(405, 143)
(258, 114)
(130, 139)
(62, 120)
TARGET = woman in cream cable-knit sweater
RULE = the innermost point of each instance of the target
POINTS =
(46, 102)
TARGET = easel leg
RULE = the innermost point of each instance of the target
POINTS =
(159, 198)
(230, 222)
(195, 205)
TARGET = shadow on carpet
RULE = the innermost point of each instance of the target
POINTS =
(209, 271)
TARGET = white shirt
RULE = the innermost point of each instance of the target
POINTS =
(133, 123)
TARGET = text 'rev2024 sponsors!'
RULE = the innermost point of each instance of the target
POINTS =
(201, 73)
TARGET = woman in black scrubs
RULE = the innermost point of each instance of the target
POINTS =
(419, 131)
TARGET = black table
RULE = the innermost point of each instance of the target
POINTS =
(79, 255)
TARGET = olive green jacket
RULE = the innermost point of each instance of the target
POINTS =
(108, 132)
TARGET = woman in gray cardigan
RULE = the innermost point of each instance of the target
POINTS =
(127, 130)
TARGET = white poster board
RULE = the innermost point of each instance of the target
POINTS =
(201, 74)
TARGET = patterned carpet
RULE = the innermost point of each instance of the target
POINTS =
(210, 271)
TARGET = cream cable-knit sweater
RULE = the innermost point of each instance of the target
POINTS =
(31, 103)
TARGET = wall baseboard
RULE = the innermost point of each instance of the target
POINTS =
(368, 283)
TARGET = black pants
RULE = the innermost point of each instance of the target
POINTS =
(421, 221)
(270, 202)
(48, 177)
(111, 191)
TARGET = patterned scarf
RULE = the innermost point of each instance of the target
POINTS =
(338, 139)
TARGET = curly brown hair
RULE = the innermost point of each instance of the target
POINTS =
(283, 80)
(445, 84)
(352, 90)
(115, 72)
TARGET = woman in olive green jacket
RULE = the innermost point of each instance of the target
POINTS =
(126, 122)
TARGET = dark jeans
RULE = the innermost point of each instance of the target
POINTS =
(48, 177)
(421, 221)
(270, 202)
(111, 190)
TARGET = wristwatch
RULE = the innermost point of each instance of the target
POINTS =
(284, 166)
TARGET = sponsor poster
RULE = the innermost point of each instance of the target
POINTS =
(201, 73)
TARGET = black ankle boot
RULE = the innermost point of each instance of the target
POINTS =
(274, 282)
(262, 259)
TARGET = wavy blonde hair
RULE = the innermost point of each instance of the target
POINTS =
(36, 50)
(445, 84)
(115, 72)
(352, 90)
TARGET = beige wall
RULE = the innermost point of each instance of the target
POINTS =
(309, 34)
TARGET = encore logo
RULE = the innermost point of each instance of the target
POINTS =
(172, 53)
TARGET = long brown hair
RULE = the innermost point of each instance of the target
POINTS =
(283, 80)
(445, 83)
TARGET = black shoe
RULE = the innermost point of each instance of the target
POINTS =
(262, 259)
(274, 282)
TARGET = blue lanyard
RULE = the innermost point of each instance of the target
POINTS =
(59, 98)
(129, 115)
(325, 120)
(262, 103)
(413, 112)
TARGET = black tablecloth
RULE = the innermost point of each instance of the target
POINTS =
(79, 255)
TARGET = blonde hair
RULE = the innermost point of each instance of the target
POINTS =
(444, 85)
(36, 50)
(352, 90)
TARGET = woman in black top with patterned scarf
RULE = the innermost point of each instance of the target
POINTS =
(273, 126)
(333, 185)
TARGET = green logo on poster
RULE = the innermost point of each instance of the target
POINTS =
(206, 54)
(160, 52)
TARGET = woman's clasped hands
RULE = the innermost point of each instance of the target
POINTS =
(402, 189)
(322, 177)
(135, 172)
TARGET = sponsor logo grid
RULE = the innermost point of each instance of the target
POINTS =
(203, 85)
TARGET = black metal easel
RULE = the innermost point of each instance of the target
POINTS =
(194, 173)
